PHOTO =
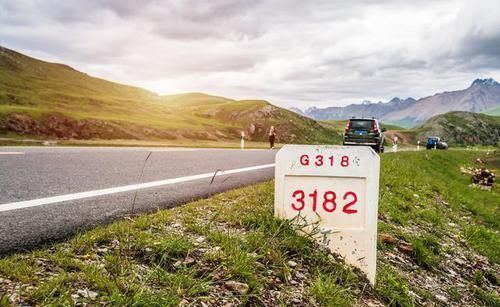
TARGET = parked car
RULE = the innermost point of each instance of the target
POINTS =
(435, 142)
(365, 132)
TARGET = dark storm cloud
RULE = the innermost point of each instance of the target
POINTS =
(481, 52)
(293, 52)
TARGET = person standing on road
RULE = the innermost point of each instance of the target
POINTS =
(272, 137)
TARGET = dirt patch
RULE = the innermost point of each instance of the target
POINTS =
(60, 126)
(403, 138)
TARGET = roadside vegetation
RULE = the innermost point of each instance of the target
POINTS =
(438, 245)
(16, 141)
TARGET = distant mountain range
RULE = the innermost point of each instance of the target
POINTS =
(483, 95)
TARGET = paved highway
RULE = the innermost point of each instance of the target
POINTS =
(49, 193)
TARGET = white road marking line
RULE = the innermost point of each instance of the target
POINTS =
(11, 153)
(127, 188)
(171, 149)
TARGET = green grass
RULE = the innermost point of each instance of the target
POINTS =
(434, 177)
(457, 119)
(482, 239)
(327, 292)
(392, 127)
(393, 286)
(494, 111)
(454, 294)
(190, 252)
(488, 298)
(426, 251)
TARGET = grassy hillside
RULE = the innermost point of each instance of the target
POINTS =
(455, 128)
(463, 128)
(439, 244)
(494, 112)
(392, 127)
(48, 100)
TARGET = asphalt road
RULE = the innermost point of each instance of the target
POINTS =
(49, 193)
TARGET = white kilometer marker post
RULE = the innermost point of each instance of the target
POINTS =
(242, 145)
(336, 187)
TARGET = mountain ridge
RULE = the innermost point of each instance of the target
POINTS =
(365, 109)
(482, 95)
(51, 100)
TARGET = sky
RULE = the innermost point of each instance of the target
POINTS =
(296, 53)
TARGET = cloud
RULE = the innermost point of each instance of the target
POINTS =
(293, 53)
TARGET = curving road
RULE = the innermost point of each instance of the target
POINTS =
(48, 193)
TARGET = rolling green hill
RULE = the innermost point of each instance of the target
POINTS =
(48, 100)
(494, 112)
(463, 128)
(455, 128)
